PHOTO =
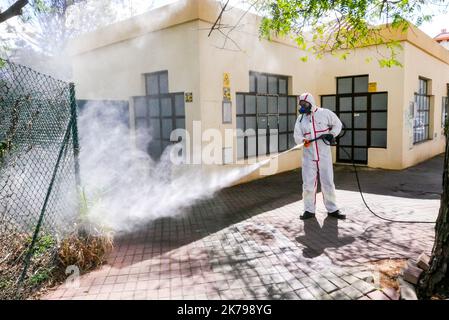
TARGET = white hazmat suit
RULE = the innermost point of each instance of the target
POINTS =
(317, 158)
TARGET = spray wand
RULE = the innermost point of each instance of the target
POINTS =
(306, 143)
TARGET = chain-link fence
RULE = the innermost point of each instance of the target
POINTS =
(38, 175)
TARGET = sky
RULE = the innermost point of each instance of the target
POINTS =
(435, 27)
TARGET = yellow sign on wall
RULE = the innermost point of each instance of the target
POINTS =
(372, 87)
(226, 80)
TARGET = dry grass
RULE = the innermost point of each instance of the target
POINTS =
(14, 249)
(49, 260)
(86, 251)
(389, 270)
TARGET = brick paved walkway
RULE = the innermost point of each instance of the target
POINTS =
(248, 242)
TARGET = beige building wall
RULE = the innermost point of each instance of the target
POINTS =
(115, 70)
(420, 64)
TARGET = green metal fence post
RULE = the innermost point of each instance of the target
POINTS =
(44, 207)
(76, 146)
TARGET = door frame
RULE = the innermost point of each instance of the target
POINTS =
(353, 130)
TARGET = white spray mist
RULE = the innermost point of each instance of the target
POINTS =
(125, 186)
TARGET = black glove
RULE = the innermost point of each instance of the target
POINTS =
(328, 137)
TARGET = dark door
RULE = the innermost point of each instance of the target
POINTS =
(364, 117)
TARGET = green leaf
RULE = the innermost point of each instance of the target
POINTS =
(352, 29)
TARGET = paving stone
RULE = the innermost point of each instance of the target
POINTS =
(304, 294)
(289, 296)
(363, 286)
(296, 284)
(364, 275)
(307, 282)
(349, 279)
(338, 282)
(339, 295)
(319, 293)
(378, 295)
(327, 285)
(352, 292)
(392, 293)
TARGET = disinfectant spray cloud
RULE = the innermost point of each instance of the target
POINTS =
(125, 187)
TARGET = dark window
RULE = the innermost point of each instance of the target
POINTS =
(262, 82)
(422, 112)
(364, 115)
(283, 86)
(265, 116)
(156, 83)
(271, 84)
(361, 84)
(344, 85)
(353, 84)
(158, 113)
(252, 83)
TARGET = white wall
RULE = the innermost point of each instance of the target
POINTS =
(419, 64)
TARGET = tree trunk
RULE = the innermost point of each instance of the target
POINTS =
(436, 280)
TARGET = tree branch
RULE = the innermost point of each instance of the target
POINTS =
(223, 9)
(13, 10)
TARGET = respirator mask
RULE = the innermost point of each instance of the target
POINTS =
(305, 107)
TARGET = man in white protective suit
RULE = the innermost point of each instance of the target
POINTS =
(314, 122)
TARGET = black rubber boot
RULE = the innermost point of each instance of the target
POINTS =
(337, 214)
(307, 215)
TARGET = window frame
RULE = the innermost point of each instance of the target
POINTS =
(422, 94)
(157, 74)
(174, 116)
(352, 83)
(257, 74)
(242, 97)
(369, 111)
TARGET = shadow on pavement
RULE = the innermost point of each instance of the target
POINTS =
(423, 181)
(316, 238)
